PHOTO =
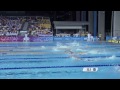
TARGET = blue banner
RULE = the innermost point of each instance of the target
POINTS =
(69, 38)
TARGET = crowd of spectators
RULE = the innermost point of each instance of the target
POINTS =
(41, 27)
(12, 25)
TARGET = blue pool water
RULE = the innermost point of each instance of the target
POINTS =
(59, 60)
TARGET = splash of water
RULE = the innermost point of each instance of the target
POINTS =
(72, 43)
(93, 52)
(58, 44)
(61, 46)
(55, 49)
(97, 51)
(75, 58)
(43, 47)
(117, 68)
(112, 57)
(78, 49)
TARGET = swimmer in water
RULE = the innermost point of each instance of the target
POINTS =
(73, 55)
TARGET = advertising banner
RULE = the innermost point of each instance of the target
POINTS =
(69, 38)
(20, 39)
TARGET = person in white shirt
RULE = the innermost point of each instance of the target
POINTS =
(26, 38)
(89, 37)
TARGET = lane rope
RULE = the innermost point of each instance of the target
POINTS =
(57, 57)
(14, 68)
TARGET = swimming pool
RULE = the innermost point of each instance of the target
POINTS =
(53, 60)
